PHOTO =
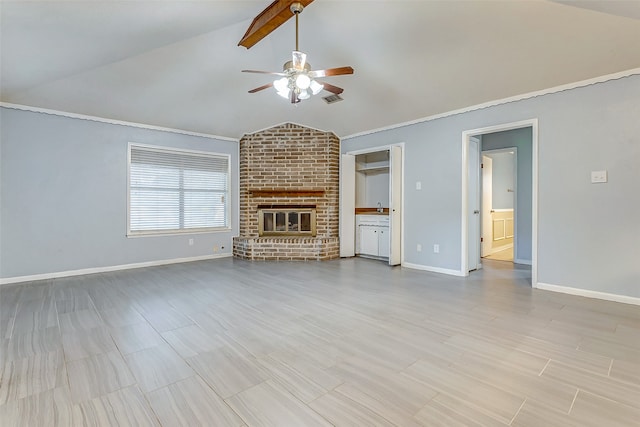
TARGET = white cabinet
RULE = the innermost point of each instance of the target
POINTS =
(369, 240)
(383, 242)
(373, 236)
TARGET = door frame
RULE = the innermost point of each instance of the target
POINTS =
(402, 198)
(514, 150)
(474, 179)
(533, 124)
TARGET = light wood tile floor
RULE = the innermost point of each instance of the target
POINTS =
(345, 343)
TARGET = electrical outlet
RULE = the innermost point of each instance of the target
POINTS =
(190, 242)
(215, 249)
(436, 248)
(598, 177)
(419, 247)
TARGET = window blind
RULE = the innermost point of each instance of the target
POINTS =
(177, 191)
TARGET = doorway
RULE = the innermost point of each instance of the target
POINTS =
(525, 222)
(498, 213)
(371, 203)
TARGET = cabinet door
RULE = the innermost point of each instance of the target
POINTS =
(383, 242)
(368, 240)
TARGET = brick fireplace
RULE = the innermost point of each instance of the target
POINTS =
(289, 200)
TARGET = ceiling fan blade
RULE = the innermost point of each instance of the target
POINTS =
(331, 88)
(258, 89)
(263, 72)
(332, 72)
(299, 59)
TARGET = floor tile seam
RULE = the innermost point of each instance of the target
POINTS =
(85, 331)
(195, 370)
(518, 393)
(614, 381)
(518, 411)
(297, 372)
(573, 401)
(343, 396)
(100, 397)
(309, 407)
(146, 400)
(540, 341)
(486, 382)
(226, 400)
(110, 329)
(627, 405)
(545, 367)
(89, 398)
(145, 392)
(467, 404)
(124, 356)
(468, 352)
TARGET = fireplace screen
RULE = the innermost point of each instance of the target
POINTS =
(291, 222)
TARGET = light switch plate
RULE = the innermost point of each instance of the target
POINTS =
(598, 176)
(418, 185)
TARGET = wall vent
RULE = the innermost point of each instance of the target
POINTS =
(332, 98)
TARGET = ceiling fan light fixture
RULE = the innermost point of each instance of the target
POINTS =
(285, 94)
(303, 81)
(281, 85)
(304, 94)
(315, 87)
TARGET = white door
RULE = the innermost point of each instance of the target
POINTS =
(395, 205)
(474, 203)
(487, 201)
(348, 205)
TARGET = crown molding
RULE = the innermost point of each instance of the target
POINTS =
(552, 90)
(112, 121)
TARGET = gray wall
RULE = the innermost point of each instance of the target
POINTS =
(64, 196)
(521, 139)
(588, 234)
(377, 190)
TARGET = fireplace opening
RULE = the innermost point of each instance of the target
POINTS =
(287, 221)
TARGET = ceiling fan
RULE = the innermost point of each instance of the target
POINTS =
(297, 80)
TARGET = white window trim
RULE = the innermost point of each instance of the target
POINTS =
(160, 148)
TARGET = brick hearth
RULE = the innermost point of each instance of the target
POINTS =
(289, 165)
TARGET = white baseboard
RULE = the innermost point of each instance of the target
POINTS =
(69, 273)
(433, 269)
(588, 293)
(522, 261)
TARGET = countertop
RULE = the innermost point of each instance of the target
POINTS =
(372, 211)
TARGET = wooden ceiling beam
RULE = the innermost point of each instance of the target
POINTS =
(276, 14)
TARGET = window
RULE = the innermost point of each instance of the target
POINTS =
(173, 191)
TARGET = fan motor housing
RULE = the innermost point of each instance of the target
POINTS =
(289, 66)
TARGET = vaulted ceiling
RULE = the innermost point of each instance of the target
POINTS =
(177, 63)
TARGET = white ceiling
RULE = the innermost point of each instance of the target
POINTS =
(176, 63)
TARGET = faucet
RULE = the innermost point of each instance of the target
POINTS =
(379, 210)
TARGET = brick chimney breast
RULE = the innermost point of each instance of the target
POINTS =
(289, 166)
